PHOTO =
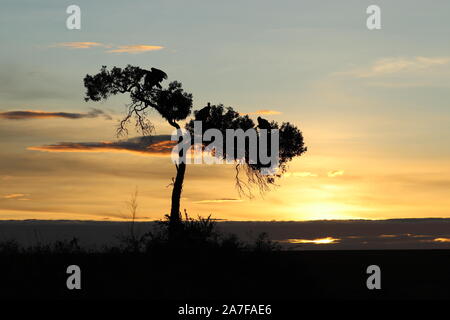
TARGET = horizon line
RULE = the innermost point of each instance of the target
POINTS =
(226, 220)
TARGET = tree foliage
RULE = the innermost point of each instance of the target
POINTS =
(145, 91)
(291, 145)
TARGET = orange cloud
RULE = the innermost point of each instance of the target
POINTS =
(300, 174)
(263, 112)
(397, 65)
(79, 45)
(138, 48)
(14, 196)
(151, 146)
(335, 173)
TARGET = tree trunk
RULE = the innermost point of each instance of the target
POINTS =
(175, 214)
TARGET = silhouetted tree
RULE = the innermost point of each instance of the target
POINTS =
(173, 104)
(145, 90)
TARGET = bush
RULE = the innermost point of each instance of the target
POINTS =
(264, 244)
(9, 247)
(192, 234)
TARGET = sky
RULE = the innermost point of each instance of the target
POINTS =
(372, 106)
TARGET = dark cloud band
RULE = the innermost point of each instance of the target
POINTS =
(154, 145)
(30, 114)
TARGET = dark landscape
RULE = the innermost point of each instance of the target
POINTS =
(258, 269)
(349, 234)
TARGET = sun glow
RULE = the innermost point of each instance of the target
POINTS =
(327, 240)
(327, 211)
(441, 240)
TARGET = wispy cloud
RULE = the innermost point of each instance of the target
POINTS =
(263, 112)
(408, 84)
(335, 173)
(36, 114)
(390, 66)
(79, 45)
(14, 196)
(301, 174)
(219, 200)
(150, 146)
(138, 48)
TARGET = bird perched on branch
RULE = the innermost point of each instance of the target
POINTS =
(153, 78)
(204, 113)
(263, 123)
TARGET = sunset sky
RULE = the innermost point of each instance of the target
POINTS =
(373, 106)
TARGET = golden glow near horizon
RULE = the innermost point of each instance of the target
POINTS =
(441, 240)
(327, 240)
(95, 186)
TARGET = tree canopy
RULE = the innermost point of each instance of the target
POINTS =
(291, 145)
(145, 91)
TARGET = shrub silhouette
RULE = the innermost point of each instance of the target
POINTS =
(195, 234)
(9, 247)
